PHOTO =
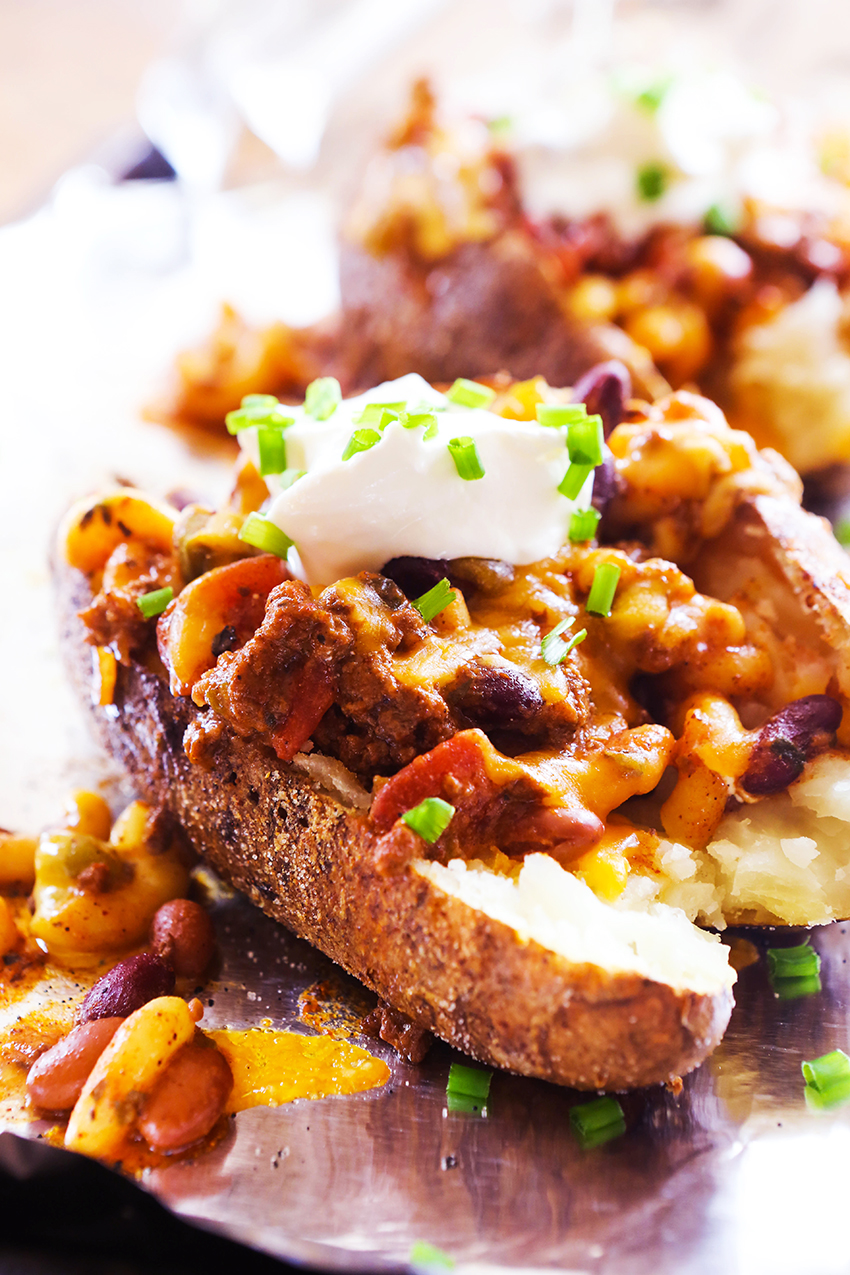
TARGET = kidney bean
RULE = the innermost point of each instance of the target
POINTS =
(490, 576)
(127, 987)
(495, 697)
(415, 576)
(604, 390)
(188, 1099)
(56, 1079)
(182, 934)
(563, 832)
(607, 483)
(797, 732)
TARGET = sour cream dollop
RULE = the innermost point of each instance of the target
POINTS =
(404, 495)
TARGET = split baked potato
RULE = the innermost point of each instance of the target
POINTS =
(684, 765)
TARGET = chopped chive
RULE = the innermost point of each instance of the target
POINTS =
(464, 453)
(500, 124)
(430, 818)
(373, 413)
(425, 419)
(792, 962)
(841, 530)
(361, 440)
(155, 602)
(598, 1121)
(575, 640)
(574, 479)
(652, 181)
(584, 441)
(556, 415)
(723, 219)
(470, 393)
(827, 1080)
(258, 409)
(435, 600)
(272, 451)
(654, 94)
(264, 534)
(261, 400)
(553, 647)
(602, 591)
(472, 1081)
(583, 524)
(828, 1070)
(427, 1257)
(791, 989)
(465, 1103)
(290, 476)
(323, 397)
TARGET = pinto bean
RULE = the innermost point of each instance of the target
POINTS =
(797, 732)
(604, 390)
(56, 1079)
(188, 1099)
(182, 934)
(128, 985)
(494, 697)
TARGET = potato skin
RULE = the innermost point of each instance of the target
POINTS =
(305, 860)
(482, 309)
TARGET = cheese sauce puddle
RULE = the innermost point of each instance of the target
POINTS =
(273, 1067)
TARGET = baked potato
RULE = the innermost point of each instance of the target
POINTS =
(601, 802)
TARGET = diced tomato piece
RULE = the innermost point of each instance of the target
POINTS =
(459, 758)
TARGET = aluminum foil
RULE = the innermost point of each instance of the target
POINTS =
(732, 1175)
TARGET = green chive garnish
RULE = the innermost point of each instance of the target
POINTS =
(793, 971)
(585, 440)
(470, 393)
(596, 1122)
(464, 453)
(427, 1257)
(500, 124)
(583, 524)
(374, 413)
(361, 440)
(272, 451)
(791, 989)
(264, 534)
(323, 397)
(290, 476)
(430, 818)
(258, 409)
(472, 1081)
(723, 219)
(827, 1080)
(553, 646)
(556, 415)
(654, 94)
(792, 962)
(435, 600)
(427, 420)
(652, 181)
(574, 479)
(155, 602)
(841, 529)
(602, 591)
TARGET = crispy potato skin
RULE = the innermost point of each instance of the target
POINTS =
(484, 308)
(305, 860)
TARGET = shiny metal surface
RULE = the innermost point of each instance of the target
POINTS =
(732, 1175)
